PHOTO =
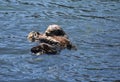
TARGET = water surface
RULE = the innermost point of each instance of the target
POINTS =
(92, 25)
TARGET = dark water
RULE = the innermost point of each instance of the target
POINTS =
(93, 25)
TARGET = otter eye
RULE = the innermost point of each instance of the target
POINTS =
(35, 35)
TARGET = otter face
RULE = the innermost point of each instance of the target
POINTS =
(32, 36)
(54, 30)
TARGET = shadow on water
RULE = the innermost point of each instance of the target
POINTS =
(91, 25)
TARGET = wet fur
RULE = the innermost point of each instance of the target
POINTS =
(51, 42)
(44, 48)
(55, 30)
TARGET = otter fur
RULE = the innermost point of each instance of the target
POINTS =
(55, 30)
(44, 48)
(51, 42)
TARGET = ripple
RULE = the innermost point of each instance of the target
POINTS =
(110, 18)
(92, 25)
(62, 5)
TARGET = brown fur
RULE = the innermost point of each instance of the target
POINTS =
(33, 36)
(55, 30)
(51, 42)
(44, 48)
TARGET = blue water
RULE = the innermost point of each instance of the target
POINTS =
(92, 25)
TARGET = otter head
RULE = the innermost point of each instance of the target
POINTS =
(54, 30)
(33, 36)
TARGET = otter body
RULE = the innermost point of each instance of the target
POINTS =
(44, 48)
(51, 42)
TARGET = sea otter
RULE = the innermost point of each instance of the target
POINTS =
(52, 41)
(52, 30)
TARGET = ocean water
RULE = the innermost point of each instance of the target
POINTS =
(92, 25)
